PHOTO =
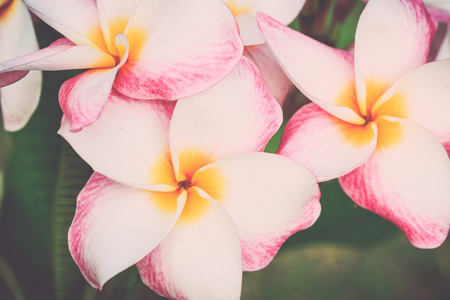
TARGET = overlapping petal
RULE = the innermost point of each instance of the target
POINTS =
(115, 226)
(192, 45)
(423, 96)
(311, 66)
(76, 20)
(127, 146)
(197, 260)
(83, 97)
(269, 198)
(276, 80)
(236, 115)
(406, 181)
(326, 145)
(61, 55)
(17, 37)
(392, 38)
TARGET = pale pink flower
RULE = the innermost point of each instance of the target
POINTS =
(379, 118)
(186, 193)
(17, 37)
(256, 48)
(144, 49)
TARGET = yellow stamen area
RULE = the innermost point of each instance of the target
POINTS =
(389, 133)
(162, 171)
(7, 8)
(238, 8)
(212, 181)
(357, 135)
(194, 208)
(395, 107)
(374, 89)
(136, 40)
(347, 97)
(191, 160)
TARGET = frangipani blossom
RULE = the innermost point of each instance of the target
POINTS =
(256, 48)
(186, 193)
(145, 49)
(17, 37)
(378, 119)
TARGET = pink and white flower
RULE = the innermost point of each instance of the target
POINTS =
(440, 10)
(256, 48)
(17, 37)
(379, 119)
(144, 49)
(185, 192)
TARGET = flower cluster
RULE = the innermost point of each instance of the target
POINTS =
(178, 101)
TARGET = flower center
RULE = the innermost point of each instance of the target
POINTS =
(185, 184)
(4, 7)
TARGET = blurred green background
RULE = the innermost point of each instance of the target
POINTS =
(349, 253)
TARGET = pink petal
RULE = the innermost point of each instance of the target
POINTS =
(17, 37)
(268, 197)
(236, 115)
(423, 96)
(82, 98)
(312, 66)
(326, 145)
(274, 77)
(406, 181)
(392, 38)
(249, 30)
(191, 48)
(115, 226)
(125, 146)
(198, 260)
(61, 55)
(438, 9)
(76, 20)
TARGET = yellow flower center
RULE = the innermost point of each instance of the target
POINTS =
(373, 109)
(187, 179)
(238, 8)
(7, 7)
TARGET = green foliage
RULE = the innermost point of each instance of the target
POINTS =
(72, 176)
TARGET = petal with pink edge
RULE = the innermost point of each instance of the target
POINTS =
(236, 115)
(60, 55)
(406, 181)
(392, 38)
(126, 147)
(198, 260)
(17, 37)
(326, 145)
(192, 45)
(423, 96)
(76, 20)
(274, 77)
(115, 226)
(82, 98)
(312, 66)
(269, 198)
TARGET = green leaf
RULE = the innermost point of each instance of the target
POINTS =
(5, 153)
(341, 221)
(348, 31)
(7, 274)
(72, 176)
(31, 175)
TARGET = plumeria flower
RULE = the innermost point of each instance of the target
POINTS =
(17, 37)
(185, 192)
(379, 118)
(256, 48)
(144, 49)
